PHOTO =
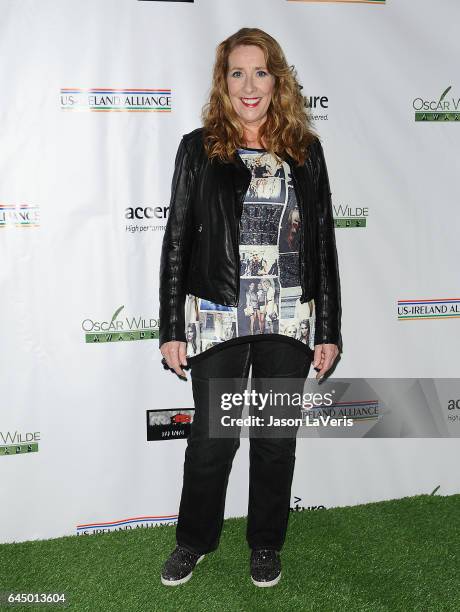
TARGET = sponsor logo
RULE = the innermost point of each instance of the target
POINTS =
(19, 215)
(135, 522)
(17, 443)
(453, 404)
(446, 108)
(168, 424)
(145, 218)
(350, 216)
(358, 410)
(440, 308)
(298, 508)
(113, 100)
(317, 106)
(120, 329)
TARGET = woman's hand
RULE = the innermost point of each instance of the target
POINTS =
(325, 355)
(175, 353)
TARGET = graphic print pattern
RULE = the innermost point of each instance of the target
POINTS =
(270, 290)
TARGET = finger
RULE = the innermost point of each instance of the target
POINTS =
(326, 366)
(169, 356)
(321, 373)
(318, 355)
(179, 371)
(175, 364)
(331, 355)
(183, 353)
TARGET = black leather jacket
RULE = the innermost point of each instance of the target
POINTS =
(200, 251)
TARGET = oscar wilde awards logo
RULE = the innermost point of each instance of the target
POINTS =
(18, 443)
(446, 108)
(120, 330)
(350, 216)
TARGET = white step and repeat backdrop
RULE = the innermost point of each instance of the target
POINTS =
(94, 99)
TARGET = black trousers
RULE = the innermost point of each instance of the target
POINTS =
(208, 461)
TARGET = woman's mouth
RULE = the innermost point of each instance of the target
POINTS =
(250, 102)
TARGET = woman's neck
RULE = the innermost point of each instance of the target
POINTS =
(253, 141)
(253, 145)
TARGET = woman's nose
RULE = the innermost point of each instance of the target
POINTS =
(248, 87)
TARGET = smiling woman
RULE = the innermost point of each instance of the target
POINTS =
(248, 278)
(250, 88)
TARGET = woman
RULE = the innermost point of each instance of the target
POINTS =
(252, 306)
(304, 331)
(256, 118)
(271, 306)
(262, 301)
(191, 338)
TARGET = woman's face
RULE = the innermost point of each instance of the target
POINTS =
(303, 330)
(250, 85)
(295, 219)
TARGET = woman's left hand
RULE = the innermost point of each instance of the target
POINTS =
(325, 355)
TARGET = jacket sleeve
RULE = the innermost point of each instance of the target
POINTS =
(328, 299)
(175, 251)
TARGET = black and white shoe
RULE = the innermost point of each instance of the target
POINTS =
(179, 567)
(265, 567)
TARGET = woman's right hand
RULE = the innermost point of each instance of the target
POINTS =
(175, 353)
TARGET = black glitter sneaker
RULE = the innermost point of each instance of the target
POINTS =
(179, 567)
(265, 567)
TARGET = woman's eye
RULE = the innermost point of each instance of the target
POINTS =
(259, 72)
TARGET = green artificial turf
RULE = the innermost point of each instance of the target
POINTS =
(401, 554)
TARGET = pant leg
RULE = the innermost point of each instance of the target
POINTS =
(208, 461)
(272, 459)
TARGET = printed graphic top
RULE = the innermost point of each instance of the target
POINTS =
(269, 304)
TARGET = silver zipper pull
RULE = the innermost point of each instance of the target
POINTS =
(201, 227)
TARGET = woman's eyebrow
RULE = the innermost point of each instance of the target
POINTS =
(255, 68)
